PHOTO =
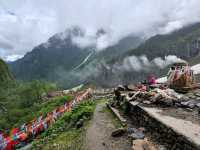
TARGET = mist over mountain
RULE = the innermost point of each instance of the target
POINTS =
(25, 26)
(64, 61)
(60, 59)
(152, 57)
(183, 43)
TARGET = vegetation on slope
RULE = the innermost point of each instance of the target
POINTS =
(184, 43)
(22, 101)
(5, 75)
(64, 134)
(180, 43)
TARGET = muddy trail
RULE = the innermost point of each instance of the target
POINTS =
(98, 134)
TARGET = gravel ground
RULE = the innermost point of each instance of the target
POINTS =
(98, 134)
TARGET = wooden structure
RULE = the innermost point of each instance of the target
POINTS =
(181, 77)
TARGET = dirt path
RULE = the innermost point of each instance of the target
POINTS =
(98, 134)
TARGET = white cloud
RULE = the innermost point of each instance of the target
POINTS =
(13, 57)
(142, 63)
(27, 23)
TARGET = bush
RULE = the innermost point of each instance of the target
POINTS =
(21, 101)
(64, 127)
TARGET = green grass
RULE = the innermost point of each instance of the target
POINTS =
(63, 134)
(5, 74)
(106, 110)
(114, 119)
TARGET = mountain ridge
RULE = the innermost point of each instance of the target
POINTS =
(171, 44)
(57, 59)
(59, 56)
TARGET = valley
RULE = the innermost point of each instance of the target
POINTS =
(89, 90)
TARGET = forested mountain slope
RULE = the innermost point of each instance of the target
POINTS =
(5, 74)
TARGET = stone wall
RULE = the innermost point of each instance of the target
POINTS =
(160, 132)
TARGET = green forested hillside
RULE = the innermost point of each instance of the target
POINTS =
(22, 101)
(19, 101)
(49, 62)
(184, 43)
(5, 75)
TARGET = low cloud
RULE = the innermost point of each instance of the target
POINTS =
(11, 58)
(25, 26)
(142, 63)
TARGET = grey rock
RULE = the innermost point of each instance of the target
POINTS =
(185, 103)
(168, 102)
(131, 130)
(185, 98)
(177, 104)
(118, 132)
(191, 105)
(147, 102)
(197, 94)
(198, 105)
(136, 135)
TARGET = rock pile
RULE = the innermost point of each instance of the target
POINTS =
(158, 96)
(139, 141)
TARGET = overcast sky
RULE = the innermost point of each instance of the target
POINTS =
(27, 23)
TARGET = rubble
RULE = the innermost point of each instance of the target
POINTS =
(166, 97)
(158, 94)
(146, 102)
(180, 92)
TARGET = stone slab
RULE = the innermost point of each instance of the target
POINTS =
(186, 128)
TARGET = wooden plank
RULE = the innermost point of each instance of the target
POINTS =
(117, 114)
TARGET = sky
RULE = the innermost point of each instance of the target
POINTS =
(25, 24)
